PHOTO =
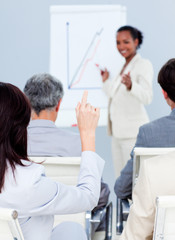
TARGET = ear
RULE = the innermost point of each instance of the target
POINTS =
(165, 94)
(58, 105)
(136, 42)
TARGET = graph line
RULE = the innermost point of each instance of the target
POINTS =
(85, 65)
(67, 32)
(84, 57)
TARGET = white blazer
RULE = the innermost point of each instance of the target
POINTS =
(38, 198)
(126, 112)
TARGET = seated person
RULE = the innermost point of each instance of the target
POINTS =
(23, 184)
(158, 133)
(45, 93)
(156, 178)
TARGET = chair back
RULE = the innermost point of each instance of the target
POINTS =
(9, 225)
(164, 226)
(61, 169)
(64, 170)
(144, 153)
(139, 155)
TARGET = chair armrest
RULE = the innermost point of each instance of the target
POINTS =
(125, 209)
(94, 219)
(119, 218)
(109, 212)
(122, 211)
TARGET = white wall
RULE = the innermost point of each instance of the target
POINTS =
(24, 46)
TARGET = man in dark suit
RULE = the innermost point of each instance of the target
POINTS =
(159, 133)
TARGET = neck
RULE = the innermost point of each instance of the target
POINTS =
(45, 115)
(130, 58)
(172, 106)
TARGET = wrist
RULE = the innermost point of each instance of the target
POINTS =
(129, 88)
(88, 141)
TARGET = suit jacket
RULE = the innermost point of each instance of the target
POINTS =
(38, 198)
(126, 112)
(156, 178)
(45, 139)
(159, 133)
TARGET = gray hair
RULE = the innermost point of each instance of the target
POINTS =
(43, 91)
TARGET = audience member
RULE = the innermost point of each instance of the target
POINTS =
(23, 184)
(159, 133)
(45, 93)
(156, 178)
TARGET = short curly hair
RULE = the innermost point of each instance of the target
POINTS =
(43, 91)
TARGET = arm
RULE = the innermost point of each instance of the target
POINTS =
(56, 198)
(140, 221)
(107, 84)
(142, 85)
(123, 184)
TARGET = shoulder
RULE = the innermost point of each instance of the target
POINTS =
(143, 63)
(69, 143)
(29, 173)
(68, 133)
(157, 133)
(158, 123)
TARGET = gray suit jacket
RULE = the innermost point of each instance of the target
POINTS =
(45, 139)
(159, 133)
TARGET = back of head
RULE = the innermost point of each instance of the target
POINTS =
(135, 33)
(166, 78)
(43, 91)
(15, 114)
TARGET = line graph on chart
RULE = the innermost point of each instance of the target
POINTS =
(85, 74)
(82, 44)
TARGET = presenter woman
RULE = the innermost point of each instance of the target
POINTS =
(128, 92)
(23, 184)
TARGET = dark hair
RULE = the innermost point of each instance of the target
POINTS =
(43, 91)
(166, 78)
(135, 33)
(15, 114)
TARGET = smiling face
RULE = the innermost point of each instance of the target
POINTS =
(126, 45)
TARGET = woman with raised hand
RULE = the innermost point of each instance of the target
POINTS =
(23, 184)
(128, 92)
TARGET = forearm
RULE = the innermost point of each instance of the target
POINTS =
(107, 87)
(123, 184)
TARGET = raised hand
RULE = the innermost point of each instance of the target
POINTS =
(87, 120)
(105, 75)
(126, 80)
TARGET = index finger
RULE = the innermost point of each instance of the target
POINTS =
(84, 98)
